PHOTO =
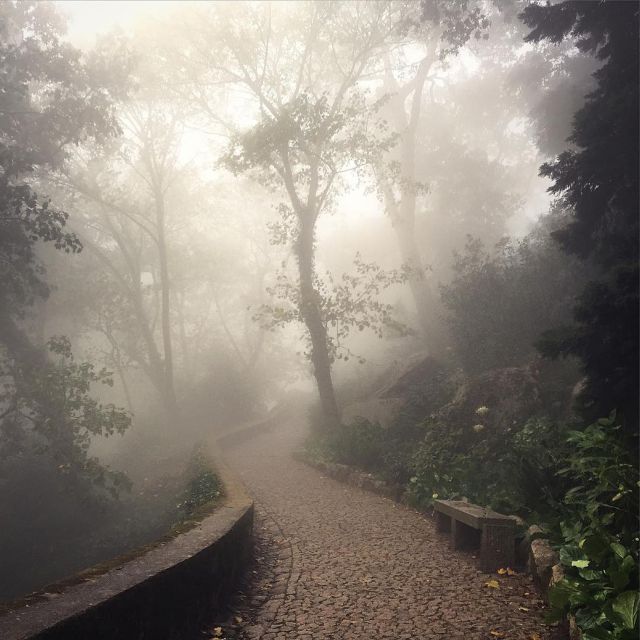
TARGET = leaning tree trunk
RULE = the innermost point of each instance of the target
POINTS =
(312, 315)
(403, 210)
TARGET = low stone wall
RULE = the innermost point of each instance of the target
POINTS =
(167, 593)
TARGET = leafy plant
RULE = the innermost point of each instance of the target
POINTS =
(203, 487)
(600, 534)
(510, 470)
(50, 410)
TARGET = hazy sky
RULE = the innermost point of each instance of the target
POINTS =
(90, 18)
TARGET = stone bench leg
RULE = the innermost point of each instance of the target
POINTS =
(443, 522)
(462, 536)
(497, 547)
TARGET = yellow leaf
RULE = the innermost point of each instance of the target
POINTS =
(492, 584)
(238, 619)
(502, 571)
(535, 636)
(523, 609)
(217, 632)
(511, 572)
(497, 634)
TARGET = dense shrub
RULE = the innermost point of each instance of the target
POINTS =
(386, 453)
(510, 470)
(203, 487)
(500, 300)
(599, 533)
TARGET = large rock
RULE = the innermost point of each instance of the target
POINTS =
(381, 410)
(509, 397)
(542, 561)
(415, 387)
(419, 372)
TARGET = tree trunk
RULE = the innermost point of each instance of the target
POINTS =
(165, 291)
(403, 212)
(420, 288)
(184, 347)
(312, 316)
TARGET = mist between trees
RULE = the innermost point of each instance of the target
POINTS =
(217, 205)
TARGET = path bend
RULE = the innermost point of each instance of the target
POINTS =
(336, 562)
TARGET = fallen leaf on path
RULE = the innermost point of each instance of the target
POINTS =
(238, 619)
(492, 584)
(535, 636)
(523, 609)
(217, 632)
(497, 634)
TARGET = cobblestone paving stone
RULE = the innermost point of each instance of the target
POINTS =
(336, 562)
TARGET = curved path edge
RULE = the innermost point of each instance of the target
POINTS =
(167, 592)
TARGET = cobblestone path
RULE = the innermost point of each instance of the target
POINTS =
(333, 561)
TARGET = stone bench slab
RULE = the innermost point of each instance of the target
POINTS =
(497, 540)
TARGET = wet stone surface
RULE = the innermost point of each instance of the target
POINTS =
(333, 561)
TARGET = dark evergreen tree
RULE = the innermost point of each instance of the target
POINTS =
(597, 180)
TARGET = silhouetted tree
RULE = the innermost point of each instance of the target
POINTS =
(51, 97)
(597, 180)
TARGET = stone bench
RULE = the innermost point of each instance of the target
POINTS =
(466, 522)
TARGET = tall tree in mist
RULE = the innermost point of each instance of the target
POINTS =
(300, 64)
(125, 226)
(597, 180)
(439, 29)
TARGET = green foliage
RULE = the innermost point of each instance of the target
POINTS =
(511, 471)
(51, 97)
(203, 488)
(346, 136)
(386, 453)
(600, 534)
(500, 301)
(50, 410)
(359, 444)
(347, 304)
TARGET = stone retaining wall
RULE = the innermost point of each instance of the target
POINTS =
(167, 593)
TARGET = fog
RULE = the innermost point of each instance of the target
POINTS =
(232, 208)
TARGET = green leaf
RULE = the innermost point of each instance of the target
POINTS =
(590, 575)
(618, 549)
(587, 619)
(560, 594)
(626, 606)
(581, 564)
(569, 553)
(594, 547)
(598, 634)
(619, 572)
